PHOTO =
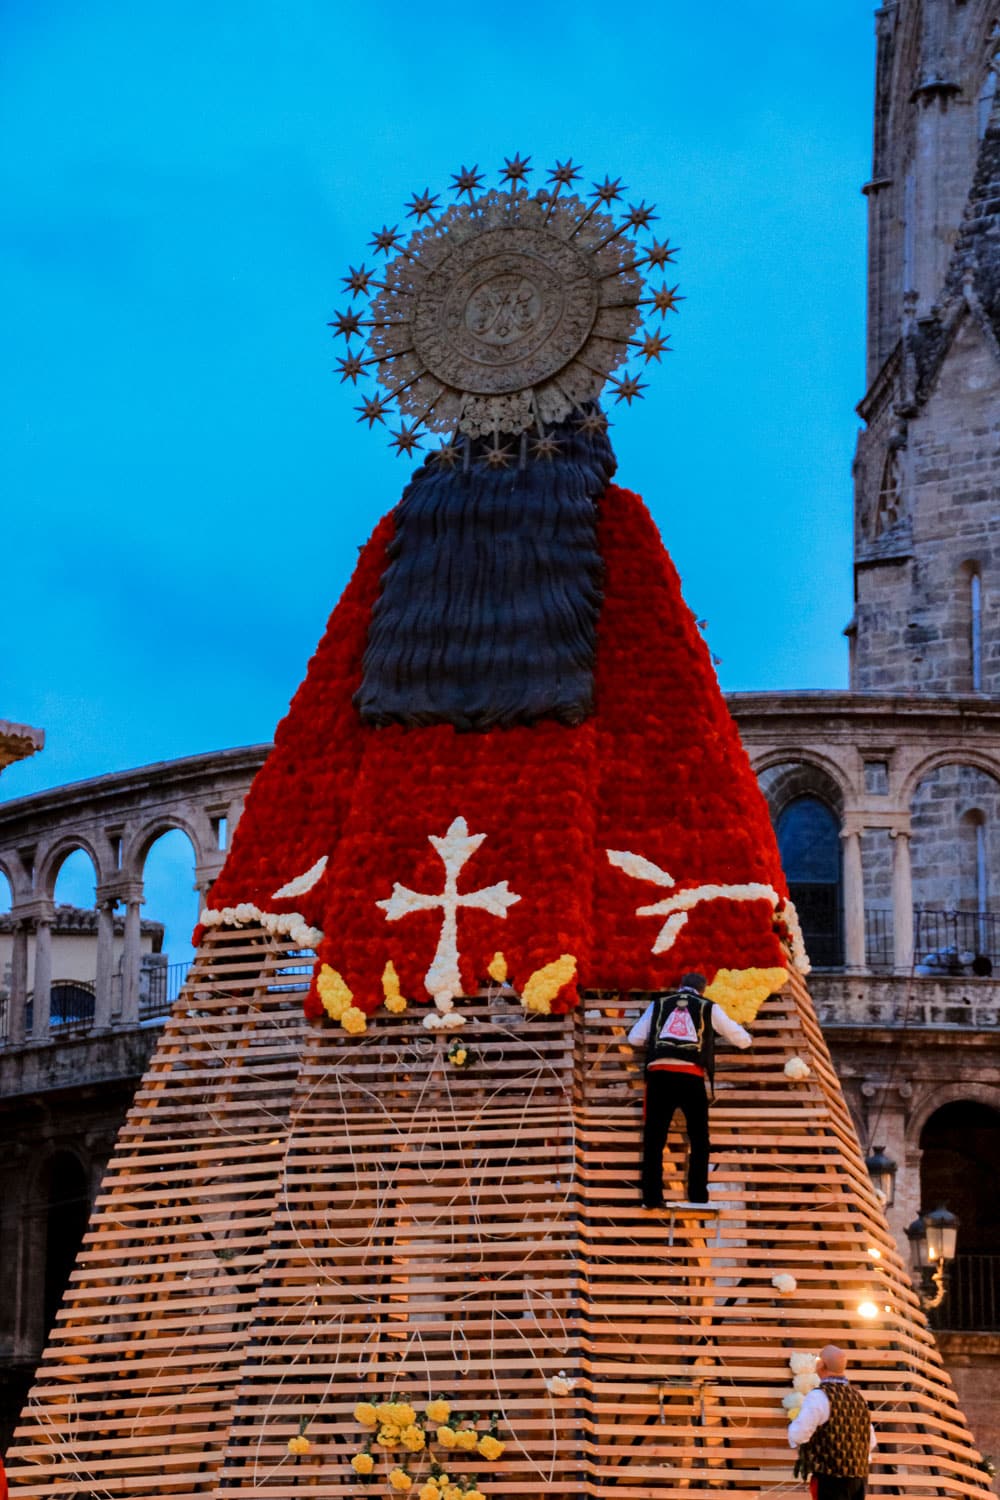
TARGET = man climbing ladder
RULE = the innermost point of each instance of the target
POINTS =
(678, 1030)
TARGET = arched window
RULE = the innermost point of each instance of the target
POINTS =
(959, 1167)
(809, 842)
(956, 869)
(72, 1003)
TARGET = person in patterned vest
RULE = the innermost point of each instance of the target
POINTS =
(833, 1433)
(678, 1031)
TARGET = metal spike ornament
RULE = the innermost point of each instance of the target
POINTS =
(506, 311)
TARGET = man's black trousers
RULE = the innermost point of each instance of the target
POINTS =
(828, 1487)
(667, 1091)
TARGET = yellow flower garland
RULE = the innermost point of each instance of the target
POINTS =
(546, 982)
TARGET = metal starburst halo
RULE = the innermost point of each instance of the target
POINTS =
(505, 311)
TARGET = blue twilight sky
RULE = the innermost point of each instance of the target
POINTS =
(181, 187)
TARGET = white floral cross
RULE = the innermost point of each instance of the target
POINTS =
(443, 979)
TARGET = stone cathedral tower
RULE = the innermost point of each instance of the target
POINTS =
(886, 798)
(927, 513)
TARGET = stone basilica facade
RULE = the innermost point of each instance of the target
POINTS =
(886, 798)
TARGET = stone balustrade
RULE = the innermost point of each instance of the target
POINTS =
(898, 1001)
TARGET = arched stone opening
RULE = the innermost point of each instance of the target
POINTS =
(168, 862)
(67, 1209)
(70, 874)
(6, 892)
(783, 782)
(956, 870)
(806, 806)
(959, 1168)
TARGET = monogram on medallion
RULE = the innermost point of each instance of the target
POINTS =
(503, 309)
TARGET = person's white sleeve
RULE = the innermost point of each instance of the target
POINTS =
(640, 1031)
(814, 1411)
(730, 1029)
(872, 1439)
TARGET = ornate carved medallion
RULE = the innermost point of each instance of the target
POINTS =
(504, 313)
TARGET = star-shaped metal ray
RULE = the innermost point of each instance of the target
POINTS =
(385, 239)
(466, 180)
(345, 324)
(628, 388)
(564, 174)
(515, 170)
(372, 410)
(658, 255)
(350, 367)
(358, 281)
(593, 423)
(422, 203)
(546, 447)
(652, 346)
(608, 191)
(449, 454)
(406, 439)
(498, 455)
(665, 300)
(640, 214)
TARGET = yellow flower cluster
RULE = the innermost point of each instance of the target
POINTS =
(497, 968)
(441, 1487)
(336, 998)
(742, 992)
(395, 1001)
(298, 1445)
(397, 1425)
(458, 1056)
(546, 982)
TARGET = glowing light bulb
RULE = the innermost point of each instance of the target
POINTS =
(874, 1252)
(867, 1309)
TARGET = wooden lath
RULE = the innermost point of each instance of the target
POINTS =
(295, 1220)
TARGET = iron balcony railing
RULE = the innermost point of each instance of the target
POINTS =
(953, 941)
(972, 1300)
(879, 952)
(164, 985)
(72, 1002)
(944, 942)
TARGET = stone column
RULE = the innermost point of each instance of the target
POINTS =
(902, 903)
(42, 987)
(131, 962)
(18, 984)
(105, 962)
(854, 901)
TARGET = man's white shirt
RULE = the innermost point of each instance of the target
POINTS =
(814, 1411)
(721, 1023)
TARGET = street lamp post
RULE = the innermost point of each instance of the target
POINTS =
(932, 1238)
(882, 1171)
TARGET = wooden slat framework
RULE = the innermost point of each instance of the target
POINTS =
(295, 1220)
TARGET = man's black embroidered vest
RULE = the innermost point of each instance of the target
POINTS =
(840, 1447)
(699, 1049)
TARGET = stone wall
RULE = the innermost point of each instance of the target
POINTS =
(947, 807)
(913, 616)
